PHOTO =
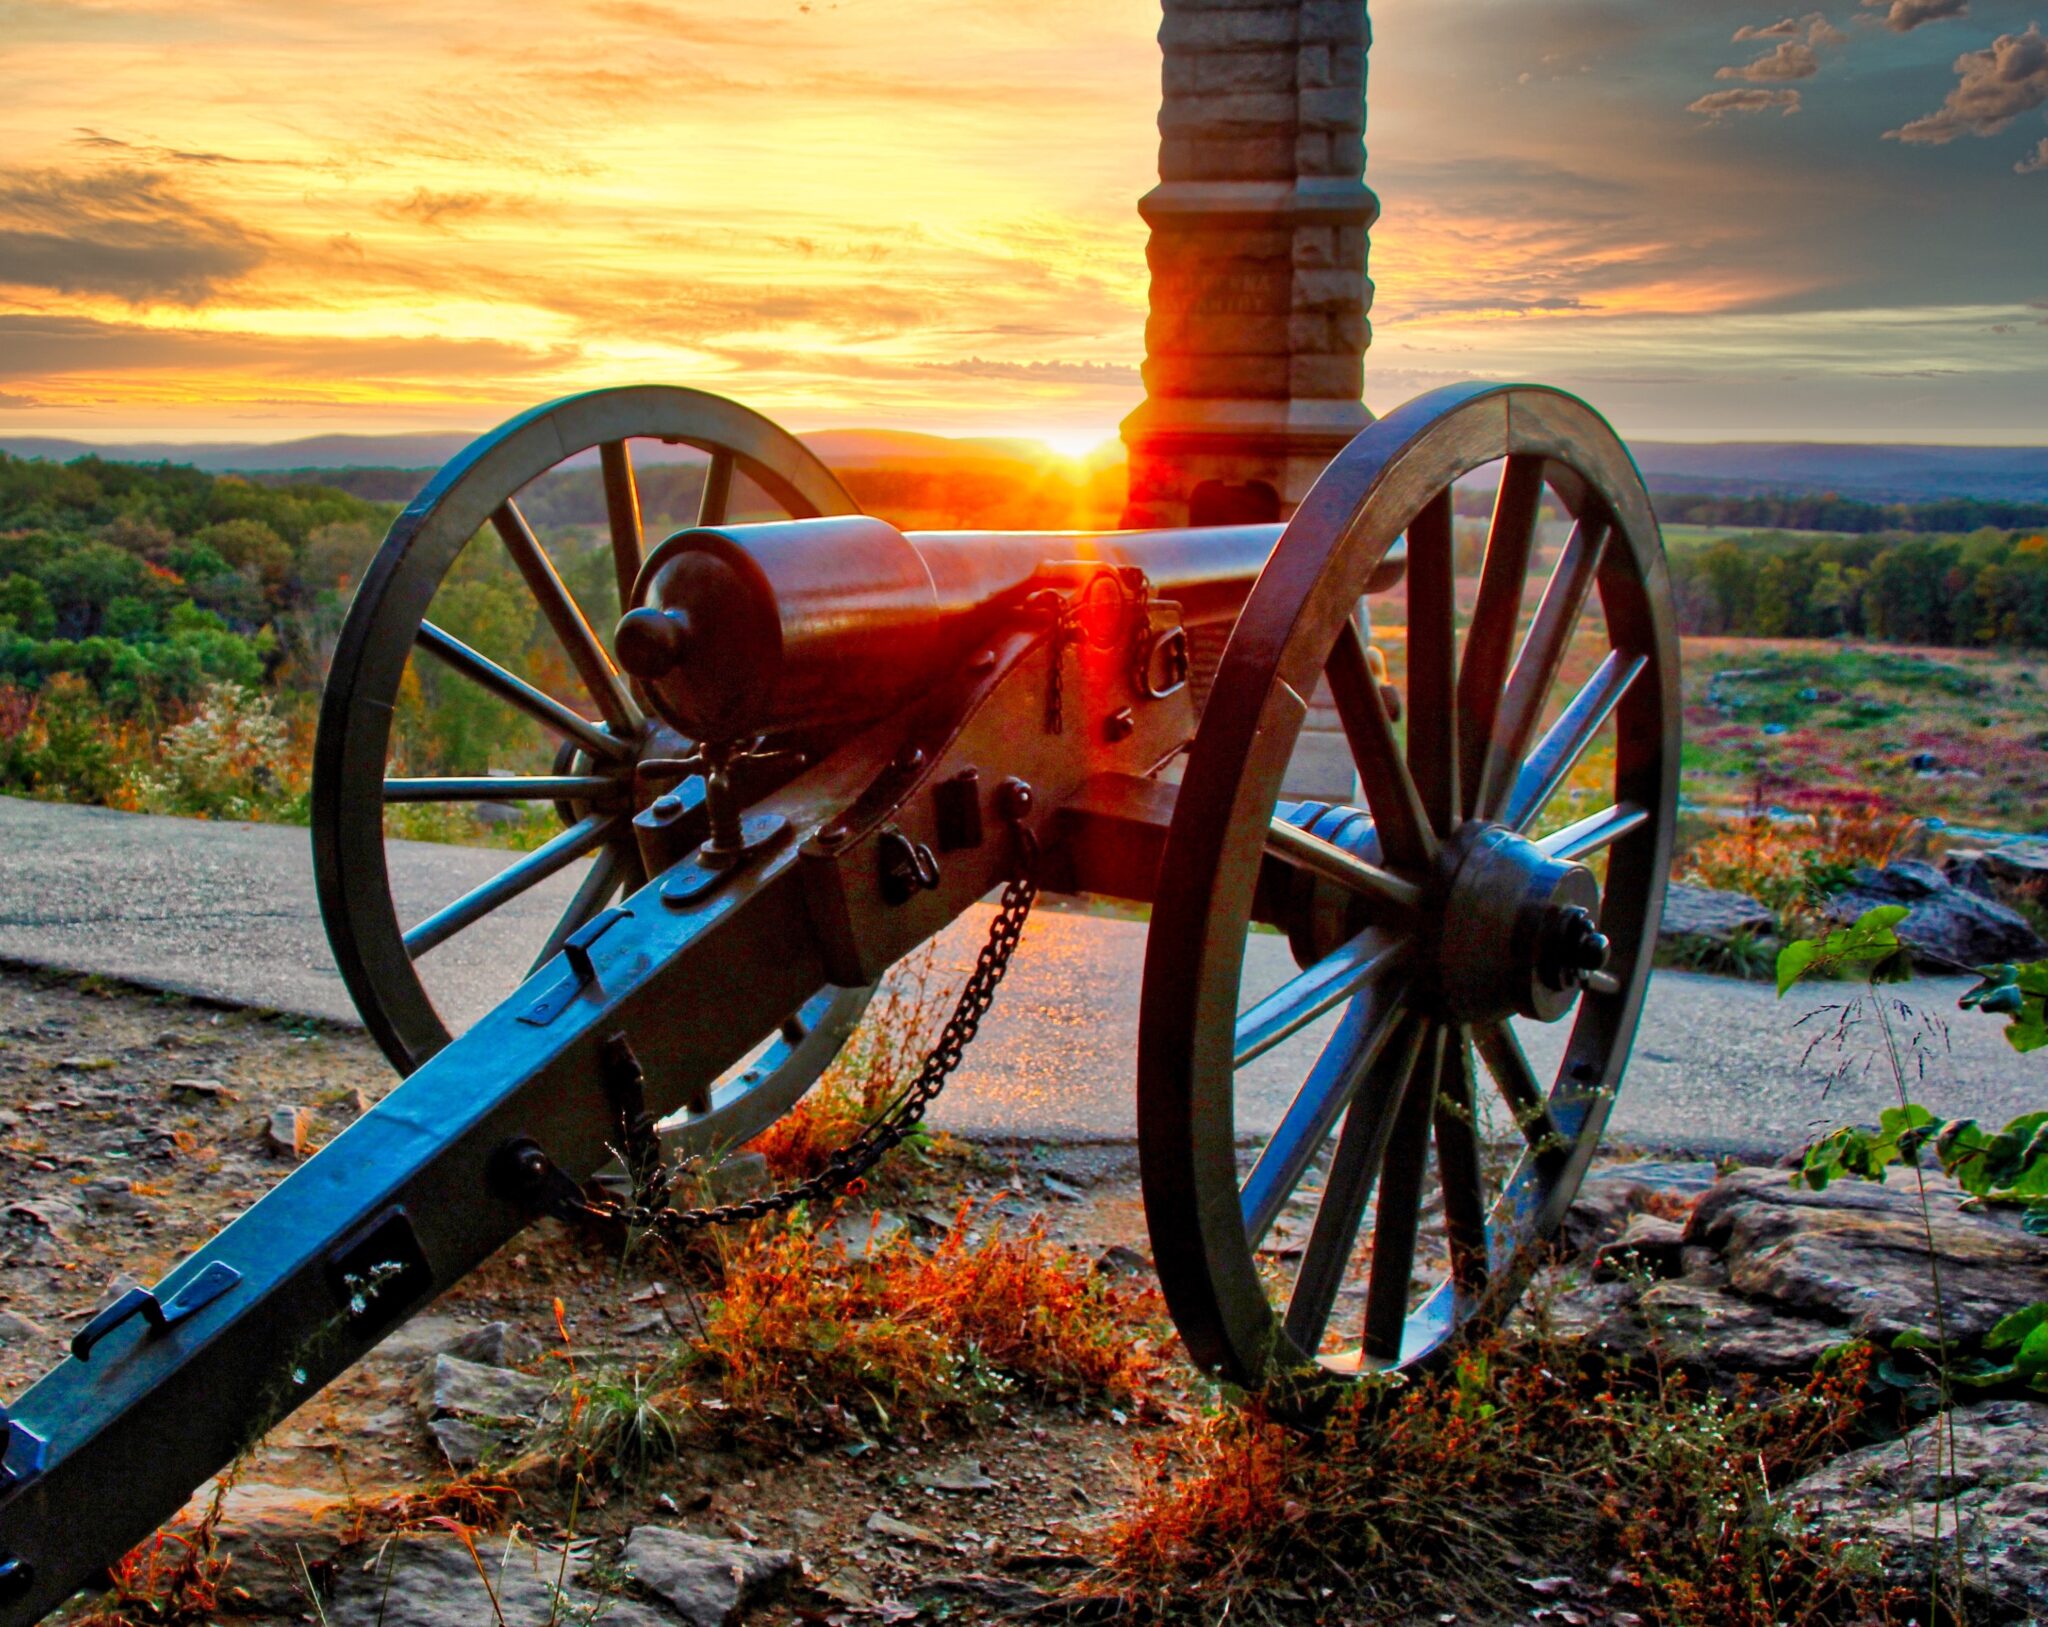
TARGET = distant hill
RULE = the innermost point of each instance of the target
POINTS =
(1881, 474)
(1901, 473)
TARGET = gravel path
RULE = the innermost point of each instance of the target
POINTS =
(227, 911)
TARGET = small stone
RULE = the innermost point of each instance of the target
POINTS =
(429, 1582)
(895, 1530)
(53, 1215)
(863, 1233)
(707, 1581)
(205, 1088)
(85, 1064)
(848, 1586)
(448, 1386)
(1066, 1191)
(961, 1475)
(288, 1132)
(495, 1344)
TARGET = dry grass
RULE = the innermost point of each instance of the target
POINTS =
(886, 1336)
(175, 1579)
(1790, 865)
(874, 1067)
(1454, 1493)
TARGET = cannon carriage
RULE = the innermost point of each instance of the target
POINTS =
(812, 742)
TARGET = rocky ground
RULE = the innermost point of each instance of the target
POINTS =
(131, 1126)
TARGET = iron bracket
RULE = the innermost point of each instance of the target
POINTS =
(201, 1291)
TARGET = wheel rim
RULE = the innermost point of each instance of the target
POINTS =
(591, 780)
(1446, 913)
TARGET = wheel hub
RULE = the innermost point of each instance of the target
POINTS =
(1510, 930)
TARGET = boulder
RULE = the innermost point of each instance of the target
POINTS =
(1947, 925)
(1979, 1479)
(1854, 1257)
(2019, 866)
(1699, 1324)
(707, 1581)
(1707, 912)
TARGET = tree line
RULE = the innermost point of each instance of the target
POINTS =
(1987, 588)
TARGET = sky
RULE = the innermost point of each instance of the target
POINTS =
(259, 219)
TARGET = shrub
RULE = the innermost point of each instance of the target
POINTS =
(234, 759)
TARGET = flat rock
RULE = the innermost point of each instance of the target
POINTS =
(707, 1581)
(1855, 1255)
(16, 1329)
(863, 1231)
(895, 1530)
(450, 1387)
(465, 1443)
(1696, 1322)
(961, 1475)
(1612, 1193)
(423, 1582)
(1984, 1474)
(262, 1532)
(1708, 912)
(1945, 924)
(2017, 864)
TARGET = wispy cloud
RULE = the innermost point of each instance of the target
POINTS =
(129, 233)
(1814, 28)
(1903, 16)
(1994, 86)
(1792, 59)
(1717, 104)
(2036, 162)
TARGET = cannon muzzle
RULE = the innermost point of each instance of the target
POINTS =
(743, 630)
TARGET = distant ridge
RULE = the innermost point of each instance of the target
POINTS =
(1901, 473)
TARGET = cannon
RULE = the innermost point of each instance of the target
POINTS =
(812, 742)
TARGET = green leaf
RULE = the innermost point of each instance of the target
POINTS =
(2014, 1329)
(2032, 1356)
(1914, 1339)
(1793, 961)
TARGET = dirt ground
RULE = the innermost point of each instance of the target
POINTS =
(132, 1126)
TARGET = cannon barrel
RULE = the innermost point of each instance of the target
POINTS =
(748, 629)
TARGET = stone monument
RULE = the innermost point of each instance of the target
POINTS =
(1255, 347)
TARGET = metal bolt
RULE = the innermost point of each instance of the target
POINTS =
(982, 662)
(666, 807)
(1119, 725)
(1014, 799)
(909, 760)
(17, 1580)
(833, 834)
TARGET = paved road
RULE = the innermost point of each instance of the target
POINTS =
(227, 911)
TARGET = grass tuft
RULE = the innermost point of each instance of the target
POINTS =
(1456, 1492)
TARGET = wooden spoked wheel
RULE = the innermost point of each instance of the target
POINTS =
(592, 740)
(1429, 924)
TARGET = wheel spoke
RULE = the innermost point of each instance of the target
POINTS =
(1457, 1165)
(1490, 640)
(565, 616)
(622, 511)
(1325, 985)
(1361, 1151)
(1543, 652)
(1433, 664)
(607, 870)
(530, 871)
(1566, 740)
(508, 788)
(1501, 1051)
(716, 496)
(1333, 863)
(544, 709)
(1594, 832)
(1400, 1205)
(1354, 1050)
(1397, 811)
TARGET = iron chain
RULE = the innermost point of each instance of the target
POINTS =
(650, 1213)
